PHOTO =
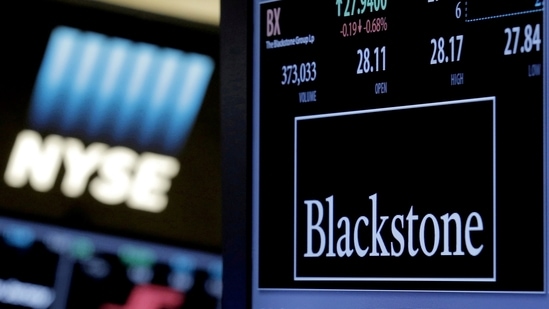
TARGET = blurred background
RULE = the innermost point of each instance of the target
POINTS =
(110, 187)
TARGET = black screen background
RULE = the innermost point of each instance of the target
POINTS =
(411, 80)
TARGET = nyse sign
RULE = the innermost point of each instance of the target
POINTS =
(121, 174)
(109, 116)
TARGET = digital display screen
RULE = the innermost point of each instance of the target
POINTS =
(45, 266)
(399, 154)
(111, 126)
(110, 189)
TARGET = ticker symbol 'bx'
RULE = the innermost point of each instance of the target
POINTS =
(273, 22)
(150, 297)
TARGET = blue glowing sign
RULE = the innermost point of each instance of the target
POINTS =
(100, 88)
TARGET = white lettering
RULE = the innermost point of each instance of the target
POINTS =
(112, 185)
(330, 201)
(34, 162)
(468, 229)
(397, 235)
(345, 238)
(152, 181)
(376, 237)
(457, 79)
(411, 218)
(122, 175)
(361, 252)
(436, 235)
(381, 88)
(314, 227)
(457, 219)
(428, 233)
(80, 164)
(307, 96)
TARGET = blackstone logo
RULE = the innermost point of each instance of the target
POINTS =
(114, 114)
(402, 226)
(379, 196)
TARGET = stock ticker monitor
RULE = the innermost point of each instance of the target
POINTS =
(396, 155)
(110, 191)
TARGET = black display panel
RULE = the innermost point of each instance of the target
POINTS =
(398, 148)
